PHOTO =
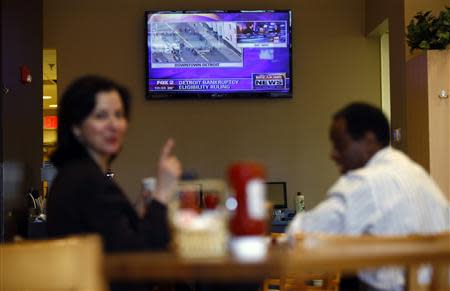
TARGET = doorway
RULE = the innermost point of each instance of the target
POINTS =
(385, 75)
(49, 112)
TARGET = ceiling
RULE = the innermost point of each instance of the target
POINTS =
(49, 65)
(49, 78)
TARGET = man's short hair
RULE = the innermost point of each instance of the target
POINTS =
(362, 118)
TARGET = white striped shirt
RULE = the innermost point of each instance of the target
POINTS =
(390, 195)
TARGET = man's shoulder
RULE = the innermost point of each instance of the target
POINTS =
(378, 168)
(383, 163)
(391, 168)
(388, 168)
(349, 183)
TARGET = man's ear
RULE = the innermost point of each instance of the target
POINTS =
(371, 142)
(370, 137)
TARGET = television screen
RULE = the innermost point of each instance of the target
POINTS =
(220, 54)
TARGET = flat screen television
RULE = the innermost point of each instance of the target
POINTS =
(218, 54)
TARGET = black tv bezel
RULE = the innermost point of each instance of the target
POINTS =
(187, 95)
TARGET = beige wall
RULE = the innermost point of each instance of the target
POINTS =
(333, 64)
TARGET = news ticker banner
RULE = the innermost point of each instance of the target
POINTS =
(265, 81)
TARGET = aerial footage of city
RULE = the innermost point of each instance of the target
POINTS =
(195, 43)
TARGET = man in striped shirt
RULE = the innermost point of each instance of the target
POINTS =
(381, 191)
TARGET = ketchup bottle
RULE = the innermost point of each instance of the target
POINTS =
(248, 182)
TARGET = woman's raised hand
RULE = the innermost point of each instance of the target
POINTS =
(168, 173)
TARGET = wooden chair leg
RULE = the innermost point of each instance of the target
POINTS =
(411, 278)
(283, 284)
(439, 281)
(299, 283)
(268, 282)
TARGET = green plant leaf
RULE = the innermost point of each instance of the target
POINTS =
(424, 45)
(426, 31)
(443, 35)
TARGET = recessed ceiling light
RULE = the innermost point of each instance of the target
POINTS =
(46, 97)
(53, 106)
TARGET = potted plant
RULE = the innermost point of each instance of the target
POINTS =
(426, 31)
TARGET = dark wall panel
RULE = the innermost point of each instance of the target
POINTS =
(21, 109)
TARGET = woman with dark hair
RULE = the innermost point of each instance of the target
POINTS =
(93, 118)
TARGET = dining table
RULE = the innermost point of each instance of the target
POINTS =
(345, 255)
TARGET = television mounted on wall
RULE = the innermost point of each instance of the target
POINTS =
(218, 54)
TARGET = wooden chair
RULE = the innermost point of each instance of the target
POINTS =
(73, 263)
(306, 282)
(303, 282)
(439, 280)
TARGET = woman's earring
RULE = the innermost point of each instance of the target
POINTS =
(77, 133)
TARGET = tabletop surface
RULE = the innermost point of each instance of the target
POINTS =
(311, 255)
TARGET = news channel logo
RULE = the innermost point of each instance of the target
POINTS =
(269, 81)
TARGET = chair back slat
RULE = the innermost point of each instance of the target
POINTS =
(422, 242)
(73, 263)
